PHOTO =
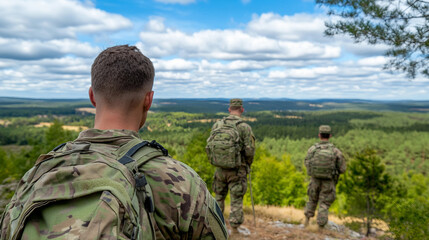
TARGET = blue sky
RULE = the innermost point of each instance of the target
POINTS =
(200, 48)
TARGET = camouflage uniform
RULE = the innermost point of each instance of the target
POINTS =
(184, 208)
(322, 190)
(235, 179)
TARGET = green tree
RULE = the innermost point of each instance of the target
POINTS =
(195, 156)
(409, 219)
(402, 25)
(365, 184)
(277, 182)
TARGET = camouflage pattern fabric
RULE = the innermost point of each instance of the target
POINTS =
(223, 145)
(184, 209)
(235, 180)
(322, 162)
(236, 102)
(322, 191)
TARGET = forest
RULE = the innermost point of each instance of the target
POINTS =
(387, 154)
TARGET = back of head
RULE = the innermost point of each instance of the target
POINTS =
(121, 72)
(325, 131)
(235, 104)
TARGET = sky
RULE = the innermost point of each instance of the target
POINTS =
(200, 49)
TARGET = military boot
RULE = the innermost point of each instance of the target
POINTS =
(307, 221)
(234, 231)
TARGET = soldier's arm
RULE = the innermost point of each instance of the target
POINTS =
(248, 140)
(341, 163)
(215, 125)
(308, 157)
(207, 220)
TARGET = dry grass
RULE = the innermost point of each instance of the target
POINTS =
(288, 117)
(5, 122)
(65, 127)
(86, 110)
(265, 229)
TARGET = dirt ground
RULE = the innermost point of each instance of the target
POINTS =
(273, 226)
(266, 229)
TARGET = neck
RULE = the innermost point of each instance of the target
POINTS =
(324, 139)
(238, 114)
(117, 120)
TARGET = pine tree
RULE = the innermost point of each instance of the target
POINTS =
(365, 185)
(402, 25)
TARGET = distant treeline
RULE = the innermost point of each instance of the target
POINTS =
(14, 107)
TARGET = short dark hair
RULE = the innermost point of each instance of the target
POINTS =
(120, 70)
(325, 135)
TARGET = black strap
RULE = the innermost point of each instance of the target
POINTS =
(156, 145)
(139, 177)
(59, 146)
(127, 158)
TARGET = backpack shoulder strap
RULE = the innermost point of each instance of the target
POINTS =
(134, 154)
(140, 152)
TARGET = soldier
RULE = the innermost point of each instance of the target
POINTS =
(324, 163)
(231, 147)
(108, 183)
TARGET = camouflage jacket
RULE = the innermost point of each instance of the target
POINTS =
(340, 163)
(247, 139)
(184, 208)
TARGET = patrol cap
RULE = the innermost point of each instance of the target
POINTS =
(236, 102)
(325, 129)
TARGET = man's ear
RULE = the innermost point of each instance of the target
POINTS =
(242, 109)
(229, 109)
(148, 98)
(92, 97)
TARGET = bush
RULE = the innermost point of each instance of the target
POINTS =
(409, 219)
(277, 182)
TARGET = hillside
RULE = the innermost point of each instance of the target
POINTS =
(392, 145)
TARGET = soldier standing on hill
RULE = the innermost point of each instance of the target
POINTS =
(108, 183)
(231, 147)
(324, 163)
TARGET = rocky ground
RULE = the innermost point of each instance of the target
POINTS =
(286, 223)
(267, 229)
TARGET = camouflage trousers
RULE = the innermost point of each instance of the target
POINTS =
(322, 191)
(236, 181)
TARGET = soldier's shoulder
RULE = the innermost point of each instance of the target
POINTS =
(169, 168)
(312, 148)
(244, 126)
(179, 190)
(337, 151)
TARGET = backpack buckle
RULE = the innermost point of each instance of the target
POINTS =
(140, 181)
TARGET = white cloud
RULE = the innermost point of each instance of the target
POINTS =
(46, 19)
(304, 72)
(174, 65)
(378, 61)
(298, 27)
(270, 56)
(36, 49)
(228, 45)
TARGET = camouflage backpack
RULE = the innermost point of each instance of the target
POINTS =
(223, 146)
(322, 163)
(81, 191)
